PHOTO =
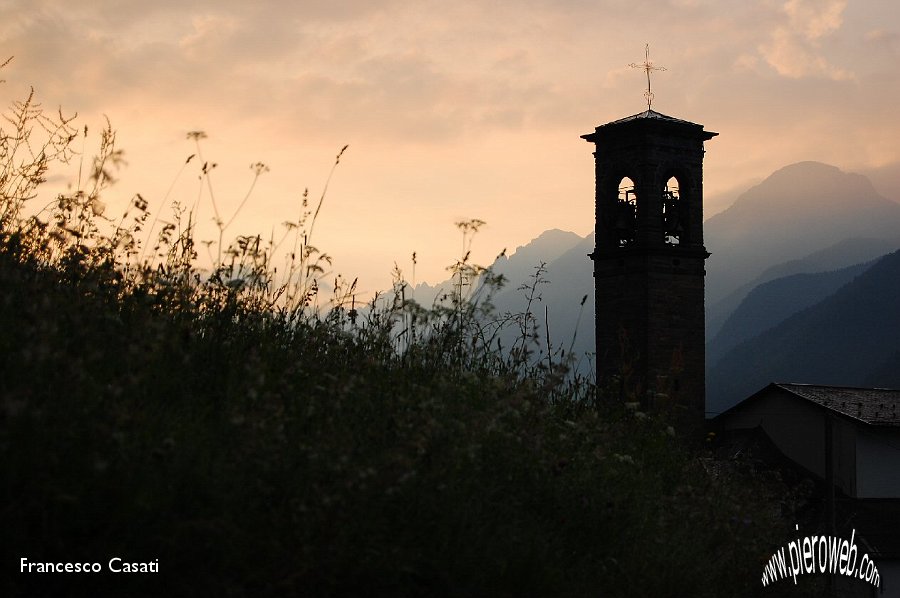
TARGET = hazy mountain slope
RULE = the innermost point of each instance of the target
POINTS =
(568, 279)
(772, 302)
(840, 255)
(798, 210)
(846, 340)
(571, 279)
(887, 374)
(843, 254)
(886, 179)
(517, 266)
(805, 218)
(547, 247)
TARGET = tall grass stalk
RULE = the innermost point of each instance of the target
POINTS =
(259, 447)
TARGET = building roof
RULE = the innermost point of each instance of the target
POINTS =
(650, 114)
(647, 119)
(874, 406)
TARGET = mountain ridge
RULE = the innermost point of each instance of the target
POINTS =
(771, 302)
(798, 210)
(842, 340)
(776, 234)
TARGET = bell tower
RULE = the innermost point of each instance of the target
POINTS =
(649, 261)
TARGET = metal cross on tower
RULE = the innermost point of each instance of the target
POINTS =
(647, 67)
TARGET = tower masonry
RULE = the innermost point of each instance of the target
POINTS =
(649, 261)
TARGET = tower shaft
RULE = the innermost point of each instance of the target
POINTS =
(649, 261)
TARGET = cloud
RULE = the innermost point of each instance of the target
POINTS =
(395, 70)
(432, 73)
(884, 39)
(381, 67)
(458, 106)
(794, 49)
(815, 18)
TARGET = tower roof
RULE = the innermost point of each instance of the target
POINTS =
(651, 118)
(650, 114)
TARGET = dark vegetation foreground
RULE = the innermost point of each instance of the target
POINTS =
(215, 422)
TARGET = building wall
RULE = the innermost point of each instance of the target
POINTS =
(878, 464)
(866, 461)
(889, 571)
(798, 430)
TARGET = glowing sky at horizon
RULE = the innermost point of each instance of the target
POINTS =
(451, 110)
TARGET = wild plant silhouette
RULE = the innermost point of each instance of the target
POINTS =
(260, 440)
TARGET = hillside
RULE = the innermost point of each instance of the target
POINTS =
(797, 211)
(887, 373)
(772, 302)
(847, 339)
(566, 281)
(805, 218)
(547, 248)
(842, 254)
(785, 245)
(516, 267)
(886, 179)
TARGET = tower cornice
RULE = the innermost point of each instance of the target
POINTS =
(649, 121)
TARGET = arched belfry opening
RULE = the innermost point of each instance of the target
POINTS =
(626, 212)
(673, 225)
(649, 261)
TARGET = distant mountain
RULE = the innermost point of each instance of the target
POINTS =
(840, 255)
(886, 179)
(803, 219)
(546, 248)
(798, 210)
(515, 267)
(567, 280)
(887, 374)
(851, 338)
(714, 203)
(774, 301)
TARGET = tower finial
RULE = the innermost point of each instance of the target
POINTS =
(647, 67)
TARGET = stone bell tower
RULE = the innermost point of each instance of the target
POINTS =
(649, 261)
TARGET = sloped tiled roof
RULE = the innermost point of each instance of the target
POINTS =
(874, 406)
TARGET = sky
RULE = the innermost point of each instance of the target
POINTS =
(451, 110)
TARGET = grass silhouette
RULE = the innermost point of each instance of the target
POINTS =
(255, 446)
